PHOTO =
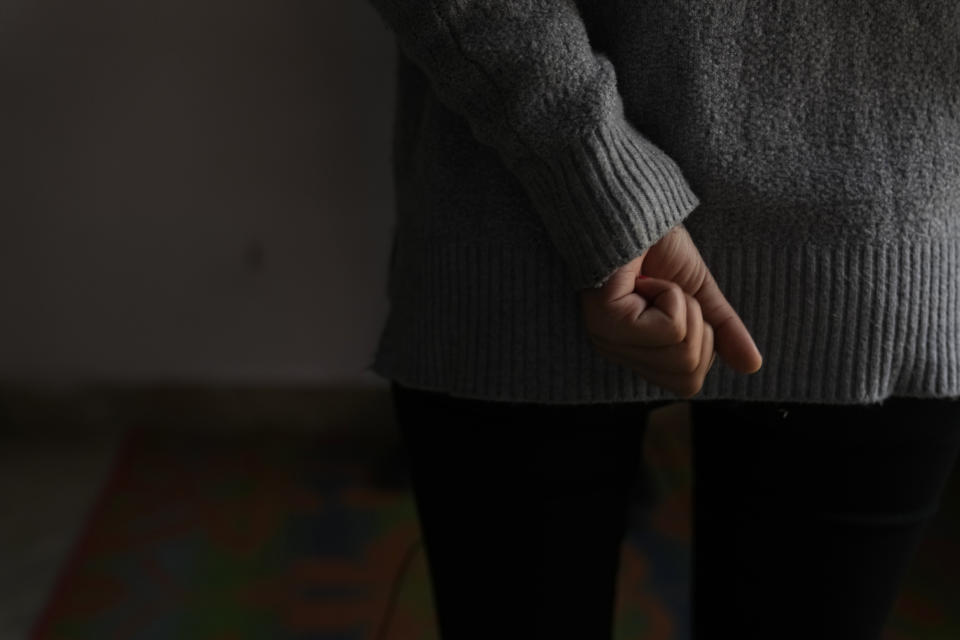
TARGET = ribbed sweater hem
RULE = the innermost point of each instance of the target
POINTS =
(846, 324)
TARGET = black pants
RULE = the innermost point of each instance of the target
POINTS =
(805, 519)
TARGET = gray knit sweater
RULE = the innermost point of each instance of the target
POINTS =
(811, 148)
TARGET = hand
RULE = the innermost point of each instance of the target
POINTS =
(665, 327)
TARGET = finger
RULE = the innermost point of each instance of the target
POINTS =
(660, 321)
(683, 358)
(734, 342)
(602, 312)
(684, 385)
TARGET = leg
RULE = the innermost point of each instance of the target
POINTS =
(522, 508)
(806, 516)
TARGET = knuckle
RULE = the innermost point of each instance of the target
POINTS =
(689, 363)
(679, 332)
(693, 313)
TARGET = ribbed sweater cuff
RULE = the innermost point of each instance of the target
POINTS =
(606, 199)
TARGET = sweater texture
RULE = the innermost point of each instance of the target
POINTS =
(811, 148)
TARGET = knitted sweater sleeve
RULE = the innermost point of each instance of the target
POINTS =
(524, 76)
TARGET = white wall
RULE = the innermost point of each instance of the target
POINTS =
(151, 151)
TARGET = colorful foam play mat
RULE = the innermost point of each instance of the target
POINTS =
(283, 536)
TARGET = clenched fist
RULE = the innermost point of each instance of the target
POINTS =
(667, 325)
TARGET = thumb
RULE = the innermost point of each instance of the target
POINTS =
(732, 341)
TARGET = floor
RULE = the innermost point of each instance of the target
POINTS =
(48, 482)
(58, 444)
(51, 469)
